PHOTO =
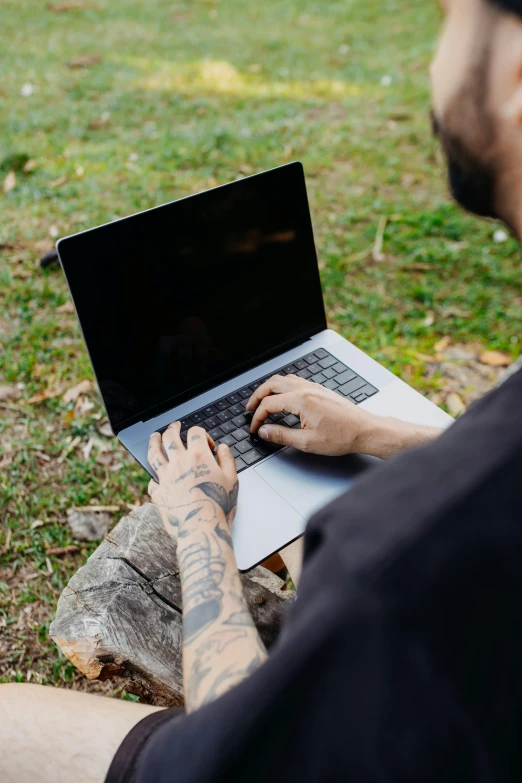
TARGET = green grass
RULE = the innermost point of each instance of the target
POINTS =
(188, 95)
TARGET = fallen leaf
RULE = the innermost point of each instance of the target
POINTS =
(55, 183)
(45, 395)
(104, 459)
(101, 122)
(85, 61)
(9, 182)
(72, 5)
(495, 359)
(81, 388)
(9, 393)
(36, 523)
(429, 320)
(68, 307)
(31, 165)
(442, 344)
(455, 404)
(19, 271)
(105, 430)
(49, 566)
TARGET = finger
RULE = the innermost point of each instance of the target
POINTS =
(277, 403)
(198, 438)
(172, 439)
(277, 384)
(284, 436)
(227, 463)
(153, 486)
(155, 455)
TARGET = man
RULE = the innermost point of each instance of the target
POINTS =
(401, 659)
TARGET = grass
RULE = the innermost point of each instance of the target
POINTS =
(187, 95)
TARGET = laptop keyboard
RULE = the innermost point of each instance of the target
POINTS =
(227, 421)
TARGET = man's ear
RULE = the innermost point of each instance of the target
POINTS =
(511, 109)
(506, 68)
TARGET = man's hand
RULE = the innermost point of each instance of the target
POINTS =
(191, 479)
(330, 424)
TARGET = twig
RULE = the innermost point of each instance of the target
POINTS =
(65, 453)
(63, 550)
(377, 254)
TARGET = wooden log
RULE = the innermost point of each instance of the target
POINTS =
(120, 615)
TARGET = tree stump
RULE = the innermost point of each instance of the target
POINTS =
(120, 615)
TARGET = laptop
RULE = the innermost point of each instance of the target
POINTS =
(188, 307)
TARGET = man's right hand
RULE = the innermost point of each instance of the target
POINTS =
(330, 424)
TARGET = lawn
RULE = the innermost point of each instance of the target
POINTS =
(109, 108)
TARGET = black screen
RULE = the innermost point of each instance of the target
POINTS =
(175, 299)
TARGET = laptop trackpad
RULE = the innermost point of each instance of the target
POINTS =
(307, 481)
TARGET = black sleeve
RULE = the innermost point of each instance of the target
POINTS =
(400, 660)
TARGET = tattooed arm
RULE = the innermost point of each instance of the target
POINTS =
(197, 498)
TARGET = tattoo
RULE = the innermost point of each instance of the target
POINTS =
(156, 465)
(184, 475)
(230, 676)
(227, 501)
(224, 535)
(200, 473)
(172, 520)
(172, 447)
(192, 513)
(195, 437)
(242, 617)
(202, 570)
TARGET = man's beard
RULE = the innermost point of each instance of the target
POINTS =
(471, 180)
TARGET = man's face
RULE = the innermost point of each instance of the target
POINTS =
(477, 106)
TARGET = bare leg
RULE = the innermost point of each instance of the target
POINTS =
(52, 736)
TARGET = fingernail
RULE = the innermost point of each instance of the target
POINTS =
(263, 432)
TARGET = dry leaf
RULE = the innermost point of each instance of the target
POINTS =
(442, 344)
(81, 388)
(104, 459)
(455, 404)
(57, 182)
(9, 182)
(101, 122)
(68, 307)
(19, 271)
(36, 523)
(9, 393)
(31, 165)
(85, 61)
(72, 5)
(429, 320)
(45, 395)
(495, 359)
(105, 430)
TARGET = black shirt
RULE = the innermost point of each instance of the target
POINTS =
(401, 659)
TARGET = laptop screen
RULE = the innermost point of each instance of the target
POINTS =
(179, 298)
